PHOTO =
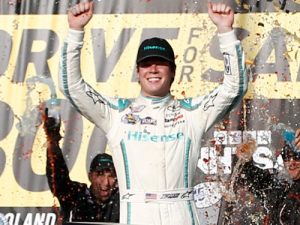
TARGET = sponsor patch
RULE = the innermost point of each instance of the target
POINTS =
(127, 196)
(227, 70)
(210, 101)
(140, 136)
(173, 108)
(134, 119)
(170, 196)
(130, 118)
(137, 109)
(148, 120)
(187, 194)
(95, 97)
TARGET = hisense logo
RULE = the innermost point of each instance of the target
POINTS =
(140, 136)
(151, 47)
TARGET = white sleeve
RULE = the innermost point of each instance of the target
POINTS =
(87, 101)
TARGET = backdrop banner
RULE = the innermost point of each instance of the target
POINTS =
(32, 33)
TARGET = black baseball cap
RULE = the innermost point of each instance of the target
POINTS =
(102, 161)
(155, 47)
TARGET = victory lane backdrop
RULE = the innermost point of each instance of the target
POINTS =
(32, 33)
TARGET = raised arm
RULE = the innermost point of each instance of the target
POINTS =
(85, 99)
(56, 169)
(214, 106)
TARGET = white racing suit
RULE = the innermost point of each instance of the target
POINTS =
(155, 142)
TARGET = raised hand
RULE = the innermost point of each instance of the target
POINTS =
(80, 14)
(221, 15)
(51, 128)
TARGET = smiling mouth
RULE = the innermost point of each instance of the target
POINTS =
(105, 192)
(153, 79)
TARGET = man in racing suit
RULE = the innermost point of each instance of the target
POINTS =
(155, 139)
(78, 202)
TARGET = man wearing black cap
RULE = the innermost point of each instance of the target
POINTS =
(280, 197)
(78, 202)
(155, 139)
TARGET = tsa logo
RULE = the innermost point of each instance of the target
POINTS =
(262, 137)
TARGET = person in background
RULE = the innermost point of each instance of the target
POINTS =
(155, 138)
(279, 197)
(79, 203)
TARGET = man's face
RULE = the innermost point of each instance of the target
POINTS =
(155, 77)
(293, 168)
(102, 184)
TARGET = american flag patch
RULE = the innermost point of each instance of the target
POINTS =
(151, 196)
